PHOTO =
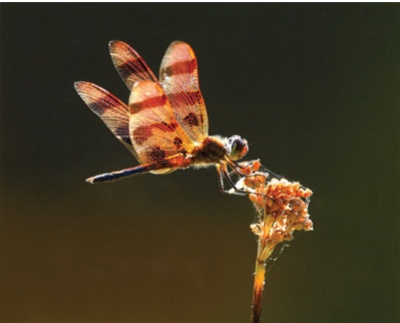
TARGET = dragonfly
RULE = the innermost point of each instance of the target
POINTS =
(165, 123)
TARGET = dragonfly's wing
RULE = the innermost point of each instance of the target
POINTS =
(113, 112)
(129, 64)
(179, 78)
(154, 131)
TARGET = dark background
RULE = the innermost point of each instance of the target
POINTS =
(314, 88)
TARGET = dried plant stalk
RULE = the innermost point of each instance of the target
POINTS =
(259, 281)
(282, 208)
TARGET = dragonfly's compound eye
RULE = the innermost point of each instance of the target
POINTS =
(238, 147)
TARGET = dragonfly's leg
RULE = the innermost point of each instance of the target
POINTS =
(221, 184)
(222, 173)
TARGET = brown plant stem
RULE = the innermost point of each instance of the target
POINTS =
(259, 280)
(258, 292)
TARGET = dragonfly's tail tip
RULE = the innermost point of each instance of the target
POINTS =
(90, 180)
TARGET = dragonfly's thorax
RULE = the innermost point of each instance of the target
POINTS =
(211, 151)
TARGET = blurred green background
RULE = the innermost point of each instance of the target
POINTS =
(315, 90)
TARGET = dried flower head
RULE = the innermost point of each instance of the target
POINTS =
(282, 206)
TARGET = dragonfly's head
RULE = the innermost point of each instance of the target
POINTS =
(236, 147)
